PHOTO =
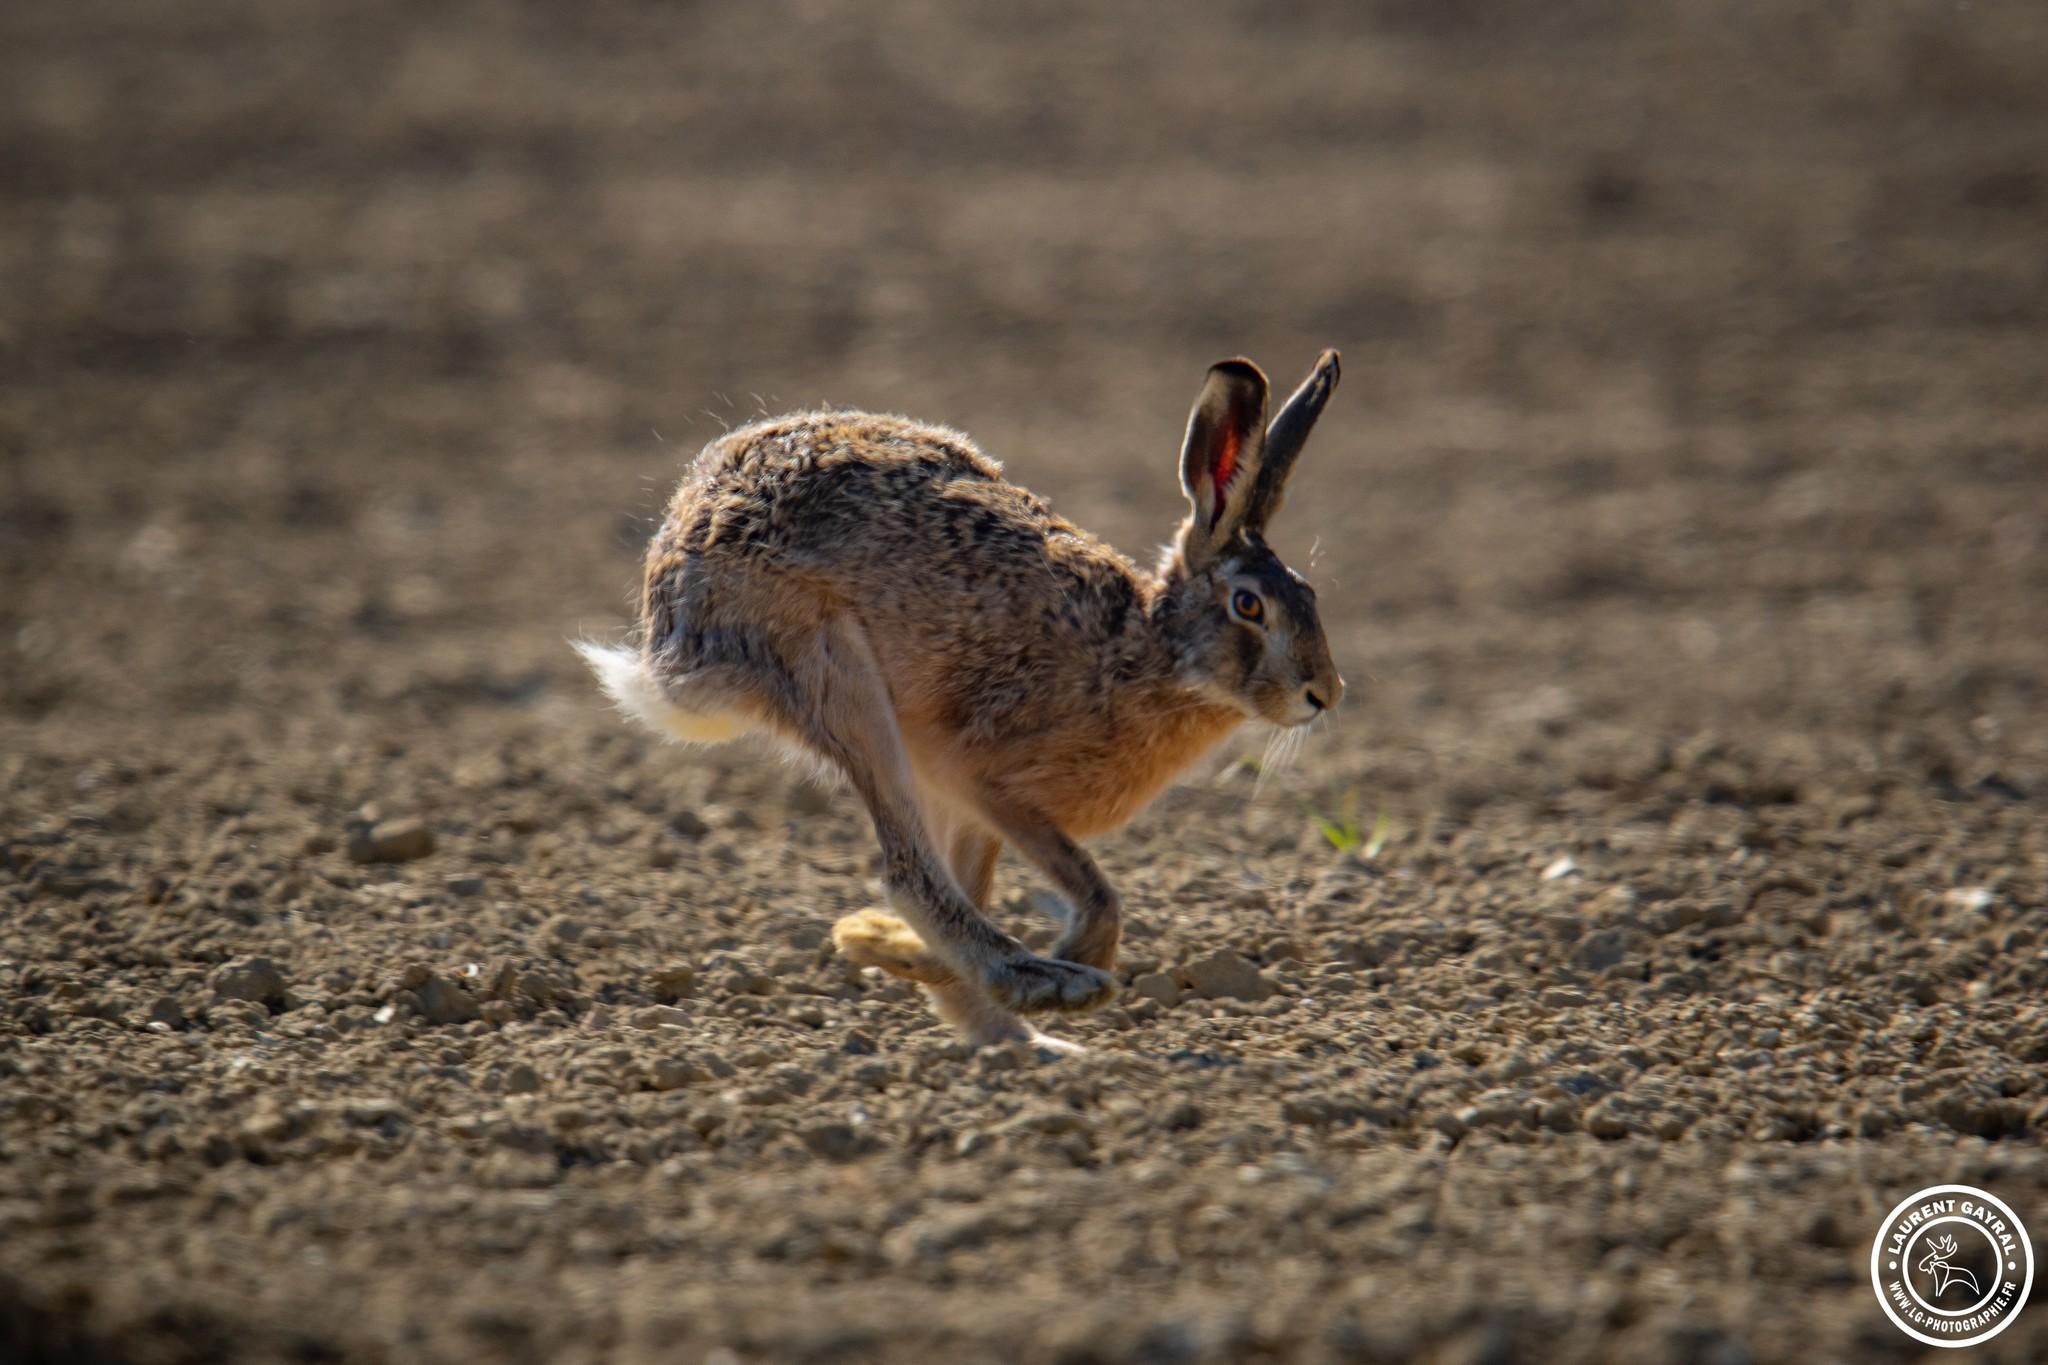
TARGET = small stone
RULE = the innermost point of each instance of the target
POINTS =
(390, 841)
(673, 1073)
(441, 1001)
(229, 1012)
(537, 985)
(372, 1110)
(1157, 987)
(1560, 998)
(521, 1079)
(465, 886)
(1609, 1119)
(654, 1016)
(1503, 1107)
(1224, 975)
(256, 979)
(688, 824)
(1601, 949)
(732, 974)
(998, 1057)
(873, 1075)
(1047, 1123)
(1968, 898)
(835, 1141)
(671, 984)
(166, 1011)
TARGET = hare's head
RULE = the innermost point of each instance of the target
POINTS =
(1245, 624)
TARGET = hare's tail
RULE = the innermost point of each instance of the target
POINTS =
(629, 680)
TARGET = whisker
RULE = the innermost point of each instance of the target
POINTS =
(1274, 739)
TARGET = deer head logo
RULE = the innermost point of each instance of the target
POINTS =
(1936, 1263)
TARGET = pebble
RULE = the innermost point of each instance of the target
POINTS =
(672, 983)
(441, 1001)
(732, 974)
(390, 841)
(673, 1073)
(834, 1141)
(255, 979)
(1158, 987)
(1223, 975)
(228, 1012)
(1601, 949)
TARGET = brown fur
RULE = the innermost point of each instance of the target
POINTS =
(871, 590)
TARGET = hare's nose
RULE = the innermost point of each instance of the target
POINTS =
(1314, 698)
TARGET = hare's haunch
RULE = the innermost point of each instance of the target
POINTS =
(981, 671)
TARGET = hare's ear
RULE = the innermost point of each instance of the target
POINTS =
(1285, 438)
(1219, 460)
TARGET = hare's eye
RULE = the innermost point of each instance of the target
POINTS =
(1246, 606)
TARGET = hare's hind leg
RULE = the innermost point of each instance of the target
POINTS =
(842, 712)
(874, 939)
(972, 861)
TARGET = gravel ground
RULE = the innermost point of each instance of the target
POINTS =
(1663, 905)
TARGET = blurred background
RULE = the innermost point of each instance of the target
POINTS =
(1681, 525)
(1693, 356)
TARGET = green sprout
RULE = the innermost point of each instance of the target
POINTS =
(1342, 830)
(1381, 827)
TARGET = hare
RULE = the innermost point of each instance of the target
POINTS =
(871, 591)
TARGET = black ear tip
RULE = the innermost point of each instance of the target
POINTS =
(1238, 370)
(1327, 366)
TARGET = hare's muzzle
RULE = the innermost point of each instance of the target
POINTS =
(1319, 695)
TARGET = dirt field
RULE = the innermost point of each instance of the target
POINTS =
(1681, 525)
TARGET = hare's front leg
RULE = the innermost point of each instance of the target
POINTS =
(842, 712)
(959, 1001)
(1096, 925)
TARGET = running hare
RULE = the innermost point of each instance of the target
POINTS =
(870, 590)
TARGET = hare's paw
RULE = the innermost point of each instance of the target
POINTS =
(1033, 984)
(872, 938)
(1090, 942)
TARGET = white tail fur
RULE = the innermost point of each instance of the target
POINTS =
(633, 688)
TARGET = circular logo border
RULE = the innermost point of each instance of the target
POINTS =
(1877, 1253)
